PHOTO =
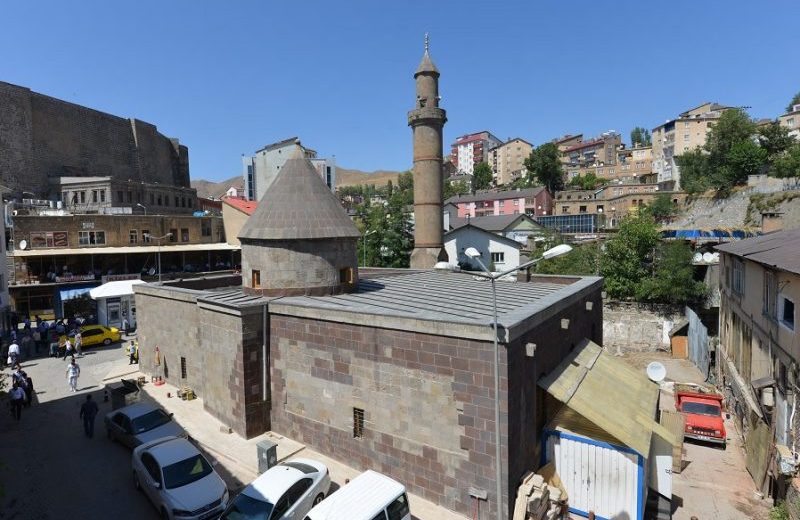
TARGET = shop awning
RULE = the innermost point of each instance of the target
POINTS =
(152, 248)
(114, 289)
(610, 394)
(69, 294)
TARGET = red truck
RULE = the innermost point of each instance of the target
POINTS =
(702, 409)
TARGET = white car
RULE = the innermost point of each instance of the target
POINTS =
(139, 423)
(179, 481)
(288, 490)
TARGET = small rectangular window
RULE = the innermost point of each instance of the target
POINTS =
(184, 234)
(787, 313)
(102, 195)
(130, 196)
(346, 275)
(498, 258)
(133, 236)
(83, 197)
(177, 201)
(358, 423)
(173, 235)
(183, 368)
(120, 197)
(146, 236)
(94, 195)
(152, 198)
(256, 277)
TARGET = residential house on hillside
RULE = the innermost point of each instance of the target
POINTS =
(235, 191)
(759, 352)
(791, 121)
(600, 151)
(498, 253)
(516, 227)
(676, 136)
(472, 148)
(530, 201)
(507, 160)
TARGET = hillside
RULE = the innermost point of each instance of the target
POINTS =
(215, 189)
(345, 177)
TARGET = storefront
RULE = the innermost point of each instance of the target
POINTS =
(115, 303)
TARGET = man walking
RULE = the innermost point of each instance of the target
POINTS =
(73, 373)
(17, 395)
(78, 342)
(88, 413)
(67, 347)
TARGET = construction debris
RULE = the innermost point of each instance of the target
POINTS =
(537, 500)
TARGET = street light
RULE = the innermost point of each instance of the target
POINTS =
(364, 245)
(143, 207)
(474, 254)
(151, 237)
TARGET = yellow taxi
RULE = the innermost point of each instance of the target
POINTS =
(94, 335)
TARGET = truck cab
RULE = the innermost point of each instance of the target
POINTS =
(703, 413)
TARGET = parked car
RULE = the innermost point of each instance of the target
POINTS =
(178, 480)
(139, 423)
(288, 490)
(703, 412)
(369, 496)
(95, 335)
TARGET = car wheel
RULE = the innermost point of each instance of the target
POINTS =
(136, 482)
(319, 498)
(107, 341)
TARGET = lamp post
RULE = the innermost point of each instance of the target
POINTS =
(364, 245)
(143, 207)
(473, 253)
(151, 237)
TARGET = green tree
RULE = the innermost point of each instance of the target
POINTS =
(695, 171)
(544, 165)
(481, 176)
(672, 279)
(583, 260)
(775, 140)
(662, 209)
(625, 261)
(589, 181)
(795, 101)
(788, 164)
(640, 136)
(455, 188)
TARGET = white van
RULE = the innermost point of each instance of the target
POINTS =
(369, 496)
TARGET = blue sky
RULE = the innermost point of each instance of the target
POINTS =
(227, 77)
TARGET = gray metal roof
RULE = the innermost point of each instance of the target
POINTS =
(298, 205)
(780, 249)
(497, 195)
(493, 223)
(448, 298)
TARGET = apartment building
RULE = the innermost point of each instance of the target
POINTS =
(472, 148)
(757, 357)
(260, 169)
(633, 165)
(791, 121)
(507, 160)
(611, 202)
(567, 141)
(530, 201)
(599, 151)
(676, 136)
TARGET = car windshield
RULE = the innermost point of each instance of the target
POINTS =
(150, 420)
(701, 408)
(186, 471)
(244, 507)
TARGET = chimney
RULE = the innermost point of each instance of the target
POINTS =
(771, 221)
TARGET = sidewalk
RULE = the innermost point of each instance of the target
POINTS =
(238, 456)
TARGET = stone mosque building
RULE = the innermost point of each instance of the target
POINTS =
(391, 373)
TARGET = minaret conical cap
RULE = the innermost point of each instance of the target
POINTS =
(426, 65)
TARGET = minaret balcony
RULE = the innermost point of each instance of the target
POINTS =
(427, 114)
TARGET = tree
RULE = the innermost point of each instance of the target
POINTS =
(455, 188)
(544, 165)
(788, 164)
(640, 136)
(672, 280)
(695, 175)
(625, 261)
(583, 260)
(481, 176)
(589, 181)
(775, 140)
(662, 209)
(795, 101)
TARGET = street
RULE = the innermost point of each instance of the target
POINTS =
(48, 468)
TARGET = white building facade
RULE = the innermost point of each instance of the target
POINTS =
(498, 253)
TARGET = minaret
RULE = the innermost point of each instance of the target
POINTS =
(426, 122)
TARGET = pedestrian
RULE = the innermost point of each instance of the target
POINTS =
(78, 342)
(67, 348)
(26, 324)
(88, 413)
(125, 325)
(13, 354)
(17, 395)
(133, 349)
(3, 354)
(26, 345)
(37, 340)
(73, 373)
(28, 390)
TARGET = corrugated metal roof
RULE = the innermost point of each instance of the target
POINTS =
(497, 195)
(608, 393)
(491, 222)
(779, 250)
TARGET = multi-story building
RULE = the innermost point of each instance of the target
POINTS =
(791, 121)
(60, 255)
(759, 350)
(42, 138)
(259, 170)
(600, 151)
(110, 195)
(472, 148)
(568, 141)
(5, 300)
(676, 136)
(507, 160)
(530, 201)
(632, 165)
(611, 202)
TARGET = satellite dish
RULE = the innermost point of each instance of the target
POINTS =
(698, 257)
(708, 258)
(23, 244)
(152, 271)
(656, 372)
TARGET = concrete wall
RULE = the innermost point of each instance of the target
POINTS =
(45, 137)
(631, 327)
(233, 220)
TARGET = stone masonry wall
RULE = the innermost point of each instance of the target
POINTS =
(426, 401)
(631, 327)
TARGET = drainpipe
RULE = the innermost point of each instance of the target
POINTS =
(264, 352)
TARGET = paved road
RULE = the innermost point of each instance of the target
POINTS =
(48, 468)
